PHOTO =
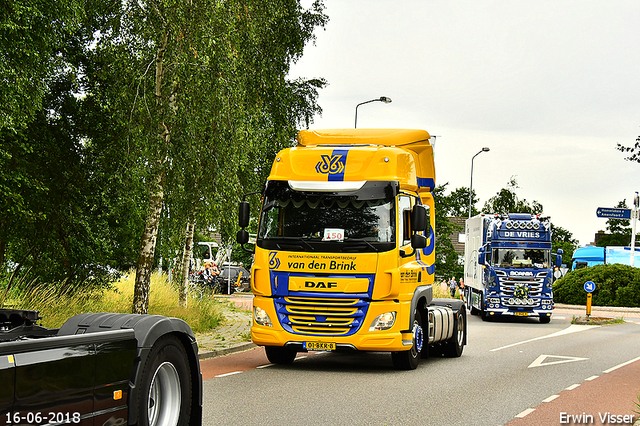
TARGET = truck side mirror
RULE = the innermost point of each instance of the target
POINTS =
(418, 241)
(242, 237)
(481, 256)
(243, 214)
(559, 258)
(419, 220)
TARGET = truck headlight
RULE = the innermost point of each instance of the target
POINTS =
(261, 316)
(383, 321)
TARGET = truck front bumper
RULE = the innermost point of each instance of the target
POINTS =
(535, 313)
(394, 339)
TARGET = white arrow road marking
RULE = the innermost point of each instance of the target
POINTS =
(573, 328)
(540, 361)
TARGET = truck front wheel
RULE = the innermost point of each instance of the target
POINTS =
(165, 394)
(278, 355)
(408, 360)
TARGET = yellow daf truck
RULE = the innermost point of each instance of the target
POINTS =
(345, 250)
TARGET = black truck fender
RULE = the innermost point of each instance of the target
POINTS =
(424, 293)
(148, 329)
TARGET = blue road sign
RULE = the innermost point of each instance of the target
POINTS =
(613, 213)
(589, 286)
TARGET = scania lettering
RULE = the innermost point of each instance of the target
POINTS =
(344, 255)
(508, 266)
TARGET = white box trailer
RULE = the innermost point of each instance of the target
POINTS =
(474, 239)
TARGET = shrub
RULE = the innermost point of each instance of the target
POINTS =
(616, 285)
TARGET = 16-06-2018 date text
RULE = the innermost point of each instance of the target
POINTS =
(40, 418)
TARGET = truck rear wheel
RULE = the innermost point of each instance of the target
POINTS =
(408, 360)
(453, 347)
(165, 395)
(279, 355)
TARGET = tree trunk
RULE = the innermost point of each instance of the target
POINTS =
(183, 287)
(148, 244)
(148, 248)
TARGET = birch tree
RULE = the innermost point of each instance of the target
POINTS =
(201, 74)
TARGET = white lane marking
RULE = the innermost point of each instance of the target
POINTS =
(591, 378)
(265, 366)
(572, 387)
(573, 328)
(621, 365)
(551, 398)
(525, 413)
(228, 374)
(539, 362)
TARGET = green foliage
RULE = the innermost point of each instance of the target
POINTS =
(36, 39)
(619, 230)
(563, 239)
(616, 285)
(446, 256)
(634, 151)
(506, 201)
(89, 122)
(456, 204)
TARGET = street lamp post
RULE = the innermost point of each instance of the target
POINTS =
(384, 99)
(485, 149)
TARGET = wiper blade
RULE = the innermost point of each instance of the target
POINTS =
(289, 240)
(360, 240)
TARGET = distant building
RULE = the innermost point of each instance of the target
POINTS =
(457, 238)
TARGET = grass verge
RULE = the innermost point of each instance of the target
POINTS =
(57, 306)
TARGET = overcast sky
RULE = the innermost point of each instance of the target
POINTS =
(549, 86)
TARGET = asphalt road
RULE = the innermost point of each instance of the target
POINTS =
(511, 371)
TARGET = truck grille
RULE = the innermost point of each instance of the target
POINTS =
(521, 291)
(321, 316)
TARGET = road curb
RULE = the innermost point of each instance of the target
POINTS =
(226, 351)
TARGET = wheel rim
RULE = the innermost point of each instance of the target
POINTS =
(164, 396)
(460, 330)
(418, 340)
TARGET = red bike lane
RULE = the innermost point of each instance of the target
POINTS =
(601, 400)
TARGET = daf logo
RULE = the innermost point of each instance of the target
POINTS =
(320, 284)
(521, 274)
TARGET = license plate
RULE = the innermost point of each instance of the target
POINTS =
(320, 346)
(522, 314)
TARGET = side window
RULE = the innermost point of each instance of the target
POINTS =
(404, 213)
(427, 232)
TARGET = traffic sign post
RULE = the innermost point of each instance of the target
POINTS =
(616, 213)
(613, 213)
(589, 287)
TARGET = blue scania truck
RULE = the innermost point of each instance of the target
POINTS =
(509, 267)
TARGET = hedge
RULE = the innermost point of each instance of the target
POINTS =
(616, 285)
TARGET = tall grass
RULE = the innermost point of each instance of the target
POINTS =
(56, 305)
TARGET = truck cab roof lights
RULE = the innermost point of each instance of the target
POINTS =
(326, 186)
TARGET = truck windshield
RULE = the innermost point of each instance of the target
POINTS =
(349, 221)
(521, 258)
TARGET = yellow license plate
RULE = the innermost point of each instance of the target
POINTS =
(522, 314)
(320, 346)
